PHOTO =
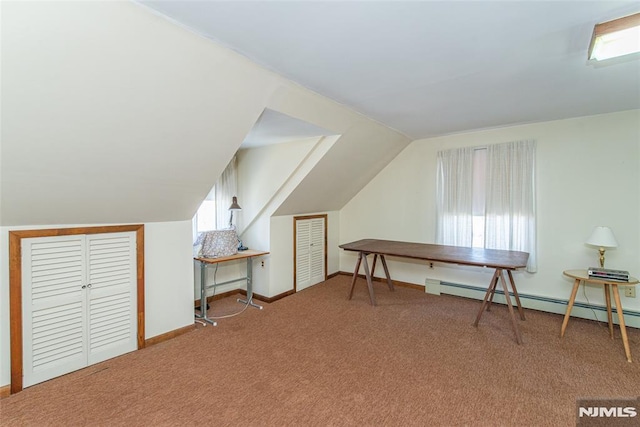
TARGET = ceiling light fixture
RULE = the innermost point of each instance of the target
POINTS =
(615, 38)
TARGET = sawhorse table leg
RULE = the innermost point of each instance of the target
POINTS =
(488, 298)
(362, 259)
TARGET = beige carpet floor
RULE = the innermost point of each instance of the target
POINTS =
(317, 359)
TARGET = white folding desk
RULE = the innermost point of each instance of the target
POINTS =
(249, 254)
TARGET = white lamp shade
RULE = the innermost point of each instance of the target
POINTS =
(602, 237)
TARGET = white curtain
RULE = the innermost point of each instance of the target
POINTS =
(510, 217)
(505, 198)
(226, 188)
(454, 198)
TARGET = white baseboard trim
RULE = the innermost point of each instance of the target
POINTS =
(550, 305)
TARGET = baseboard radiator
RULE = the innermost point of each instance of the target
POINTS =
(552, 305)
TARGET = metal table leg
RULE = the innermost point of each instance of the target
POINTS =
(203, 297)
(249, 299)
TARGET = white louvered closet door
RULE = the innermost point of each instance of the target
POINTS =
(111, 276)
(54, 301)
(78, 302)
(310, 252)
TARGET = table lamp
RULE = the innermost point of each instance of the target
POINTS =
(602, 237)
(234, 207)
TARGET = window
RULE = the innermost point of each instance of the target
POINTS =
(205, 217)
(486, 198)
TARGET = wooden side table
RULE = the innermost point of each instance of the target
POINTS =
(583, 276)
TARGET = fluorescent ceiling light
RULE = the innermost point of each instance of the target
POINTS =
(615, 38)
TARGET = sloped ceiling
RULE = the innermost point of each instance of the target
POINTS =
(112, 114)
(356, 157)
(273, 127)
(107, 118)
(429, 68)
(347, 167)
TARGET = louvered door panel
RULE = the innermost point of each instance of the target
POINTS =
(310, 252)
(112, 295)
(53, 304)
(317, 249)
(303, 241)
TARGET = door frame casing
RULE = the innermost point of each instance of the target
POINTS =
(295, 241)
(15, 285)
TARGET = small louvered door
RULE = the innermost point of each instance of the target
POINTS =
(317, 251)
(310, 252)
(303, 241)
(111, 275)
(74, 303)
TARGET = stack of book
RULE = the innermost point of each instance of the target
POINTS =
(608, 274)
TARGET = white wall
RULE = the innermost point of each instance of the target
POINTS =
(588, 174)
(168, 282)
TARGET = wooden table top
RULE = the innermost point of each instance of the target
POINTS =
(249, 253)
(493, 258)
